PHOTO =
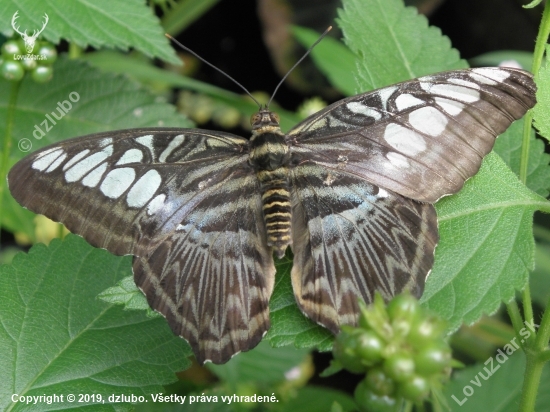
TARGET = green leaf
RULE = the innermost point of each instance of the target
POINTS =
(508, 146)
(339, 71)
(99, 23)
(127, 293)
(393, 43)
(261, 365)
(486, 248)
(288, 324)
(541, 111)
(57, 338)
(318, 399)
(95, 101)
(501, 392)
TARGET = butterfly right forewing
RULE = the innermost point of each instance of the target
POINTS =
(421, 138)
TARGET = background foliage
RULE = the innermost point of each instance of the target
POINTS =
(56, 336)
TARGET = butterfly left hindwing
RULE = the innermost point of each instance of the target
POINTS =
(350, 189)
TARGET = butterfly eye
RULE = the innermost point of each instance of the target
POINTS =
(275, 117)
(255, 118)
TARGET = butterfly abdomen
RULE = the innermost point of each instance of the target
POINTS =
(269, 156)
(276, 208)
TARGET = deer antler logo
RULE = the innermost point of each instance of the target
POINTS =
(29, 40)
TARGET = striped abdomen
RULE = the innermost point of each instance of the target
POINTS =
(276, 208)
(269, 157)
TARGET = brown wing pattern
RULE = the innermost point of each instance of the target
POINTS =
(352, 238)
(422, 138)
(213, 276)
(186, 204)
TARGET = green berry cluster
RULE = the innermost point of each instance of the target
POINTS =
(400, 348)
(14, 63)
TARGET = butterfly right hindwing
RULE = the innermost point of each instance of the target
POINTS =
(352, 238)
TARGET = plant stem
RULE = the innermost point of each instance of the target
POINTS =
(515, 317)
(10, 114)
(536, 354)
(543, 334)
(533, 371)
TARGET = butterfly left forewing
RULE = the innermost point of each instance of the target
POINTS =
(352, 238)
(422, 138)
(117, 188)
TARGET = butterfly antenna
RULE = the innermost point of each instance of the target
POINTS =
(298, 62)
(187, 49)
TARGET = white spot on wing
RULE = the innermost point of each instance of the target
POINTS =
(146, 141)
(363, 109)
(397, 160)
(130, 156)
(143, 190)
(105, 142)
(406, 101)
(428, 120)
(385, 94)
(92, 179)
(156, 204)
(47, 159)
(465, 83)
(88, 163)
(76, 158)
(450, 106)
(464, 94)
(382, 193)
(56, 163)
(175, 142)
(490, 76)
(117, 181)
(404, 140)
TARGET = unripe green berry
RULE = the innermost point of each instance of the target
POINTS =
(415, 388)
(12, 71)
(399, 367)
(42, 74)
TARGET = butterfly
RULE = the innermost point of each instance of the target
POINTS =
(350, 190)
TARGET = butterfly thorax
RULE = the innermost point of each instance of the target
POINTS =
(269, 156)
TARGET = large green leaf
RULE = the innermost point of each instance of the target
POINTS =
(486, 248)
(98, 23)
(57, 338)
(393, 43)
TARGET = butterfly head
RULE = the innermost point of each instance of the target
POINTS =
(264, 120)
